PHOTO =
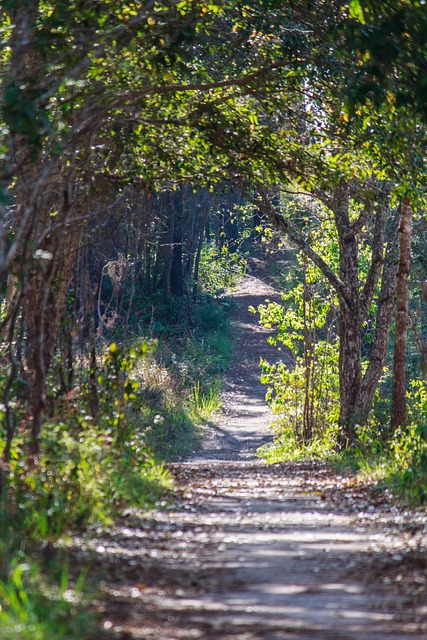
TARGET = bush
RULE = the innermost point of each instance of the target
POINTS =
(408, 473)
(397, 460)
(286, 446)
(219, 269)
(287, 392)
(82, 477)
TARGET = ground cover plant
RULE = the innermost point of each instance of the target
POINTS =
(36, 607)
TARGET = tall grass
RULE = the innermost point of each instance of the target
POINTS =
(34, 608)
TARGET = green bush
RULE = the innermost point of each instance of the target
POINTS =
(82, 477)
(397, 460)
(286, 446)
(210, 316)
(287, 390)
(408, 473)
(219, 269)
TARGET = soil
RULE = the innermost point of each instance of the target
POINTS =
(248, 551)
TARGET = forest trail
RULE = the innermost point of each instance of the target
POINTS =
(244, 424)
(255, 552)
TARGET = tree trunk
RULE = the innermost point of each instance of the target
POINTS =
(384, 319)
(197, 260)
(177, 267)
(165, 253)
(307, 430)
(88, 297)
(398, 413)
(350, 368)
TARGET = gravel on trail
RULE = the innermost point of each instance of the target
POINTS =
(247, 551)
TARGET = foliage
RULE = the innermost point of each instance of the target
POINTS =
(287, 446)
(205, 401)
(35, 608)
(306, 394)
(219, 269)
(397, 460)
(110, 115)
(109, 108)
(83, 477)
(89, 467)
(389, 39)
(408, 474)
(158, 95)
(287, 390)
(150, 399)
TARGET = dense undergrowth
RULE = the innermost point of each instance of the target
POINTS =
(103, 452)
(397, 462)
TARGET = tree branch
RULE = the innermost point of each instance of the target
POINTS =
(284, 225)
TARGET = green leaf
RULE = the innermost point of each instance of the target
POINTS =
(356, 11)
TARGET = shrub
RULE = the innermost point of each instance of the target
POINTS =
(408, 473)
(82, 477)
(286, 446)
(219, 269)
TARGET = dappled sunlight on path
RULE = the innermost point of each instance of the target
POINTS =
(246, 551)
(251, 552)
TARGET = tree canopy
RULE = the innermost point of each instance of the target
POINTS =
(327, 99)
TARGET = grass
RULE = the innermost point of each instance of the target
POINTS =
(34, 608)
(182, 381)
(205, 401)
(80, 481)
(397, 463)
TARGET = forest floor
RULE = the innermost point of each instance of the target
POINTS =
(246, 551)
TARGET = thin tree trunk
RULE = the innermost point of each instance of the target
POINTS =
(165, 253)
(197, 261)
(350, 367)
(88, 313)
(307, 431)
(350, 371)
(190, 247)
(177, 267)
(398, 413)
(384, 319)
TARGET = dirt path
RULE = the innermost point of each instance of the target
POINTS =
(255, 552)
(244, 424)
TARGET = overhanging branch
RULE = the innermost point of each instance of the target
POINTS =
(285, 227)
